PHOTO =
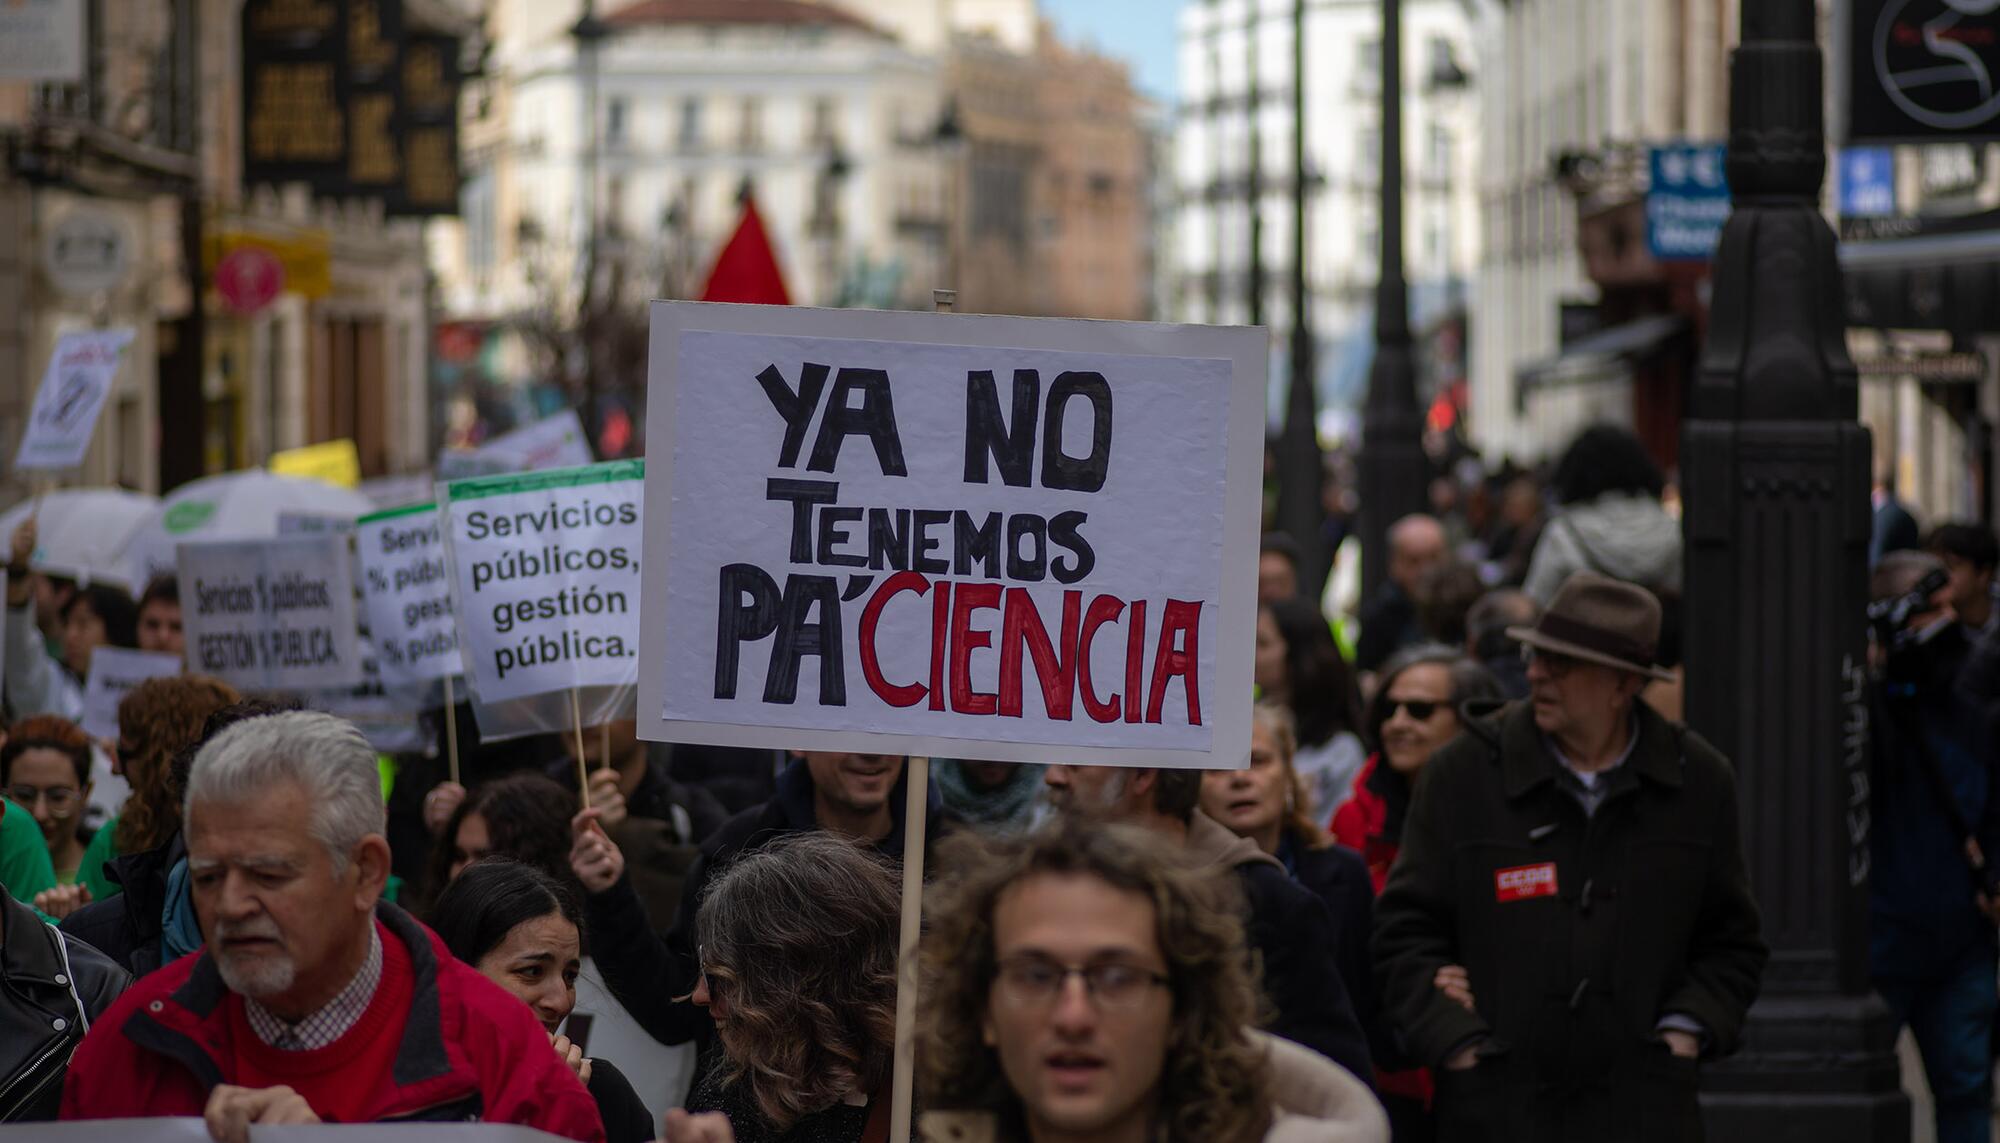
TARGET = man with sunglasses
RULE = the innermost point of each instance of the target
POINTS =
(1569, 929)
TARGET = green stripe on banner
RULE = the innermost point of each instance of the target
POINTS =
(609, 472)
(392, 513)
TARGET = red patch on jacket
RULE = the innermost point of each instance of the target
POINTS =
(1523, 882)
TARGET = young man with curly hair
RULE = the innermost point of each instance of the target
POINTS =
(1085, 982)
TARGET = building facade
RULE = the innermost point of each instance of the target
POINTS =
(145, 145)
(1578, 322)
(826, 117)
(1053, 181)
(1225, 45)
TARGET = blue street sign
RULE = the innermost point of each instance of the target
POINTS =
(1867, 182)
(1688, 202)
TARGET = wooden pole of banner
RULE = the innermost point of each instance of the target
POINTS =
(451, 730)
(916, 804)
(576, 726)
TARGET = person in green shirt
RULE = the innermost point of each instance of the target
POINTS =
(24, 858)
(45, 769)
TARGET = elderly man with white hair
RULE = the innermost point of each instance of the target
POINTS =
(315, 1000)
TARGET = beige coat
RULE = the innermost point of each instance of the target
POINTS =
(1317, 1101)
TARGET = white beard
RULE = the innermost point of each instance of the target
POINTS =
(257, 977)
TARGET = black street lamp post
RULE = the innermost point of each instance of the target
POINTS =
(1392, 469)
(1775, 469)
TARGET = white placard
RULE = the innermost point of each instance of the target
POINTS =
(271, 615)
(73, 390)
(114, 671)
(41, 40)
(1005, 538)
(552, 442)
(407, 595)
(545, 577)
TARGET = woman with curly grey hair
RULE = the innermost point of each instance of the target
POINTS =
(1085, 983)
(798, 958)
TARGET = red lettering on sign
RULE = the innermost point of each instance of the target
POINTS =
(1524, 882)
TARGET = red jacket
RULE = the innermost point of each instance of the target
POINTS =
(1360, 822)
(469, 1051)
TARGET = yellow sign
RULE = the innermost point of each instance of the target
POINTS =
(336, 462)
(307, 257)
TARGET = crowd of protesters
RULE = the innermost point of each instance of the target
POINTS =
(1476, 881)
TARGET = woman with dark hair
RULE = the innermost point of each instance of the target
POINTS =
(798, 967)
(1415, 711)
(1299, 667)
(523, 930)
(45, 770)
(1611, 520)
(522, 816)
(97, 615)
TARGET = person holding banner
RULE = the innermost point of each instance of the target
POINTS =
(1084, 982)
(524, 817)
(523, 930)
(855, 796)
(1288, 927)
(797, 945)
(314, 1000)
(160, 617)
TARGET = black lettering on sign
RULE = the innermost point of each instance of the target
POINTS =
(1077, 474)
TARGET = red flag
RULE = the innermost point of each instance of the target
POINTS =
(747, 268)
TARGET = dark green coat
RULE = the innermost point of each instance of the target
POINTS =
(1650, 914)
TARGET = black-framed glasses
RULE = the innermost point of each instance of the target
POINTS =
(1419, 709)
(62, 800)
(1556, 665)
(1036, 982)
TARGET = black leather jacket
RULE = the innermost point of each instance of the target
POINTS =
(45, 976)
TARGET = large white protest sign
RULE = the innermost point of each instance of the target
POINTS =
(271, 615)
(408, 594)
(940, 534)
(113, 672)
(545, 578)
(73, 390)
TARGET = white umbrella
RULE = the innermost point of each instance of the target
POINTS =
(82, 533)
(234, 506)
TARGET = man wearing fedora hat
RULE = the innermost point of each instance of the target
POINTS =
(1569, 929)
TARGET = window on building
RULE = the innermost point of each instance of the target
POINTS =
(750, 126)
(614, 124)
(476, 197)
(1440, 65)
(1368, 64)
(823, 113)
(690, 126)
(1437, 152)
(1368, 156)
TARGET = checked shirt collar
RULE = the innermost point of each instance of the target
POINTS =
(330, 1023)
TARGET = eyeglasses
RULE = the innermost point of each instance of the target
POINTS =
(1033, 982)
(62, 800)
(1419, 709)
(1556, 665)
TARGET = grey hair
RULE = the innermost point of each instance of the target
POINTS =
(802, 935)
(325, 756)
